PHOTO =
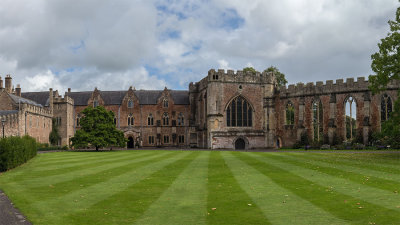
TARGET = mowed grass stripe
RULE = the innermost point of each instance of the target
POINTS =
(227, 202)
(279, 205)
(67, 168)
(185, 201)
(52, 211)
(338, 171)
(63, 158)
(340, 205)
(92, 176)
(387, 199)
(129, 204)
(395, 170)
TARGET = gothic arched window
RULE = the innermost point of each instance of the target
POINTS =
(181, 119)
(165, 103)
(351, 117)
(289, 114)
(150, 120)
(386, 107)
(318, 118)
(239, 113)
(165, 119)
(130, 103)
(95, 103)
(131, 120)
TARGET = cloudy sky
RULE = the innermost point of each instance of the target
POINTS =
(151, 44)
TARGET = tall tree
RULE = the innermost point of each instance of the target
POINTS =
(386, 62)
(386, 65)
(98, 130)
(280, 77)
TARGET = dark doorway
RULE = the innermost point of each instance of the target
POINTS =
(130, 142)
(240, 144)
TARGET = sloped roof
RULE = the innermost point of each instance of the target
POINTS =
(39, 97)
(146, 97)
(80, 98)
(18, 100)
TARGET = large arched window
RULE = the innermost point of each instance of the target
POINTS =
(150, 120)
(351, 117)
(318, 118)
(289, 113)
(239, 113)
(386, 107)
(165, 119)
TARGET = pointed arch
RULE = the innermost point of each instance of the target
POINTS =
(239, 112)
(289, 113)
(350, 115)
(317, 119)
(386, 107)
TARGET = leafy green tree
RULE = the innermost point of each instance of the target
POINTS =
(249, 69)
(386, 62)
(98, 130)
(386, 65)
(280, 77)
(54, 136)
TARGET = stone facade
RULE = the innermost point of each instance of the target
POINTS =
(224, 110)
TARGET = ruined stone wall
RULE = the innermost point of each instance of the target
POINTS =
(333, 97)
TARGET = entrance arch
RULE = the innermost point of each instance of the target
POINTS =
(240, 144)
(130, 143)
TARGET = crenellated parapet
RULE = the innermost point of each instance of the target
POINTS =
(65, 99)
(240, 77)
(330, 87)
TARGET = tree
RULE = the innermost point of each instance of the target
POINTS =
(249, 69)
(54, 136)
(386, 65)
(386, 62)
(280, 77)
(98, 129)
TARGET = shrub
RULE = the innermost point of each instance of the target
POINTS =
(15, 151)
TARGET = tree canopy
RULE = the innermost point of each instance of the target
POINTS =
(249, 69)
(98, 130)
(280, 77)
(386, 62)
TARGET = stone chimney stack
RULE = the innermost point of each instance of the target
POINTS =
(8, 81)
(69, 90)
(51, 99)
(18, 90)
(1, 83)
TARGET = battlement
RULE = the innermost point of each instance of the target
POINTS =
(65, 99)
(361, 84)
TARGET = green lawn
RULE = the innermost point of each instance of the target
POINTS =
(204, 187)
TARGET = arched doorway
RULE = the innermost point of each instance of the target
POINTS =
(240, 144)
(130, 143)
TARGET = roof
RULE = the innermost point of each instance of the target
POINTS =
(146, 97)
(18, 100)
(39, 97)
(7, 112)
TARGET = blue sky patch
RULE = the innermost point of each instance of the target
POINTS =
(231, 20)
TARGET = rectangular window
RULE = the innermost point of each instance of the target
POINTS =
(181, 139)
(166, 139)
(151, 139)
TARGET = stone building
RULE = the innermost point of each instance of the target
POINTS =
(224, 110)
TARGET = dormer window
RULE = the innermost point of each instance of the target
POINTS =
(95, 103)
(130, 103)
(165, 103)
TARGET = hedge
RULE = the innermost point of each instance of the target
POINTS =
(15, 151)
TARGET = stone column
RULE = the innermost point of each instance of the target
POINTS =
(332, 117)
(366, 123)
(300, 125)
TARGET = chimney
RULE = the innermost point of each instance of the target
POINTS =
(1, 83)
(18, 90)
(8, 81)
(69, 90)
(51, 99)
